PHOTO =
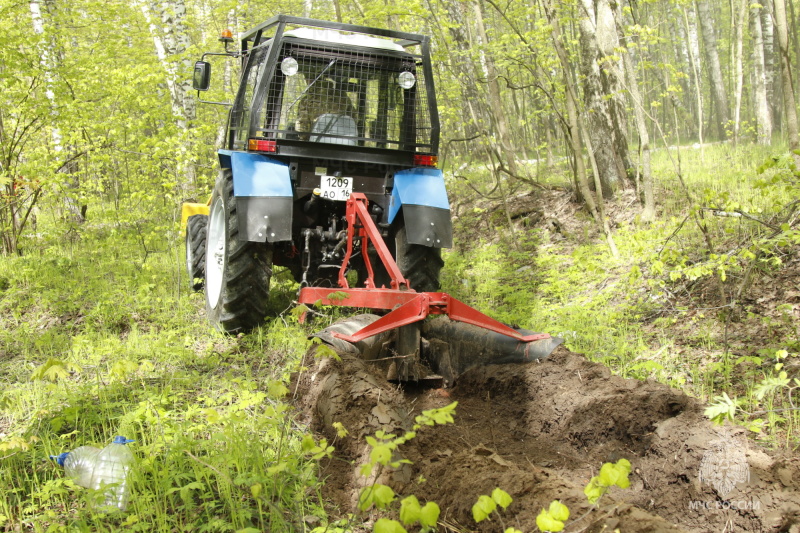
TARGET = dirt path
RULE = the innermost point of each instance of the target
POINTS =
(540, 431)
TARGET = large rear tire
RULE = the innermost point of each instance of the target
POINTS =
(196, 250)
(238, 272)
(420, 265)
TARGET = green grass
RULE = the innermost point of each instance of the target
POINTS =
(661, 309)
(100, 335)
(100, 338)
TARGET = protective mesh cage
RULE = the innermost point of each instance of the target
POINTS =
(348, 96)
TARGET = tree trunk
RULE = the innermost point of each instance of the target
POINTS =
(227, 85)
(611, 72)
(786, 76)
(649, 210)
(770, 65)
(50, 63)
(685, 64)
(575, 130)
(495, 104)
(739, 72)
(763, 118)
(715, 70)
(600, 124)
(171, 41)
(694, 49)
(548, 131)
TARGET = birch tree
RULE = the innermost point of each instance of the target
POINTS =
(761, 104)
(718, 91)
(494, 106)
(694, 57)
(171, 42)
(649, 210)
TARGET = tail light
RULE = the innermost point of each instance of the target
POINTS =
(260, 145)
(421, 160)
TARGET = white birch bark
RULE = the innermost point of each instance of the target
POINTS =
(763, 118)
(694, 56)
(649, 209)
(48, 65)
(768, 32)
(171, 41)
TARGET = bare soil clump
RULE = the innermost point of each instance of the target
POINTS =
(540, 431)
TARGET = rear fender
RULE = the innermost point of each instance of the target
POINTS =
(421, 194)
(263, 191)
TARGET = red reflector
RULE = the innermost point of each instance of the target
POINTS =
(425, 160)
(260, 145)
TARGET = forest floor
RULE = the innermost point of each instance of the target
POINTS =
(100, 336)
(540, 431)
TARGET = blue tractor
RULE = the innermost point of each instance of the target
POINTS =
(323, 110)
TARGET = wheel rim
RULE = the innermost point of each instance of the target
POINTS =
(189, 262)
(215, 253)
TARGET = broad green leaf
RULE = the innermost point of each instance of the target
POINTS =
(559, 511)
(593, 491)
(280, 467)
(608, 475)
(307, 443)
(385, 525)
(365, 498)
(341, 431)
(429, 515)
(410, 510)
(383, 495)
(483, 508)
(276, 389)
(501, 497)
(545, 522)
(380, 454)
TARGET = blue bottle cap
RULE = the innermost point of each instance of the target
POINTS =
(60, 458)
(119, 439)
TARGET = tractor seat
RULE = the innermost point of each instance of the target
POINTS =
(335, 129)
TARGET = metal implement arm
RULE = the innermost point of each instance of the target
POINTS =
(408, 306)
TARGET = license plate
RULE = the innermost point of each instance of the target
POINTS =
(333, 188)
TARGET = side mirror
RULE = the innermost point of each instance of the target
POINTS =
(202, 75)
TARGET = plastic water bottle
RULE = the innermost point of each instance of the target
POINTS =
(103, 470)
(78, 464)
(112, 465)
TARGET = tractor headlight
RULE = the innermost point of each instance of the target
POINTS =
(289, 66)
(406, 79)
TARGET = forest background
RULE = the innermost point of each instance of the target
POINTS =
(622, 174)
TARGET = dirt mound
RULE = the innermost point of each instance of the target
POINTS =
(540, 431)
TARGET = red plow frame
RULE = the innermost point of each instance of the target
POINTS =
(407, 306)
